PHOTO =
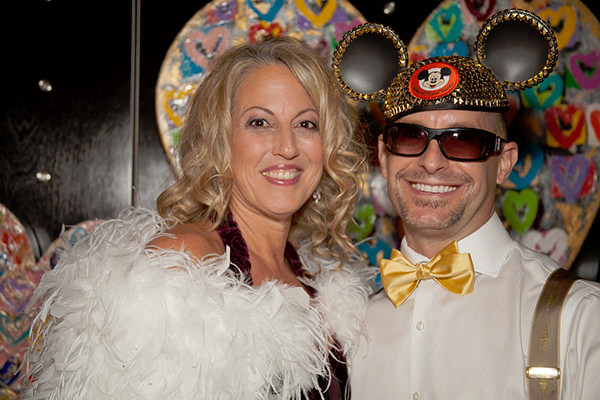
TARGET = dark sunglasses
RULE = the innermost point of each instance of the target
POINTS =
(458, 144)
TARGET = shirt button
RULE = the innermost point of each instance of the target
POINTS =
(420, 327)
(415, 396)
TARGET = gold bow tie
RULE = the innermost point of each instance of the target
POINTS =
(453, 271)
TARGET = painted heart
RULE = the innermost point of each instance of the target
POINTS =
(566, 125)
(264, 30)
(554, 243)
(529, 5)
(569, 175)
(15, 246)
(201, 48)
(13, 330)
(325, 11)
(528, 166)
(379, 195)
(10, 368)
(375, 251)
(593, 124)
(266, 10)
(585, 69)
(481, 9)
(365, 221)
(545, 94)
(563, 21)
(340, 28)
(225, 10)
(445, 25)
(520, 209)
(15, 294)
(451, 49)
(176, 103)
(588, 187)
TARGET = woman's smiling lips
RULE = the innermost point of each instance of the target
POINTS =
(282, 174)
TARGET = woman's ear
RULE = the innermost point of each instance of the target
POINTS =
(506, 161)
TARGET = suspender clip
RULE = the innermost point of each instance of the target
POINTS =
(542, 373)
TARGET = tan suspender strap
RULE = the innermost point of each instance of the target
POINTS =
(543, 371)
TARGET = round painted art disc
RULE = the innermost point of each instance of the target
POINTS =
(551, 198)
(222, 24)
(19, 276)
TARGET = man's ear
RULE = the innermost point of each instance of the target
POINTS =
(382, 155)
(506, 161)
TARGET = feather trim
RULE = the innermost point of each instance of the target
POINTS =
(118, 320)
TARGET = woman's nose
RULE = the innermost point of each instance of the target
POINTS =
(285, 144)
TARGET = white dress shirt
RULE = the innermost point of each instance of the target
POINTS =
(439, 345)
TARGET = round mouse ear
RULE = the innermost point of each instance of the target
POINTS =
(367, 59)
(518, 47)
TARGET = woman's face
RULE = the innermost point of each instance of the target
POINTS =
(276, 148)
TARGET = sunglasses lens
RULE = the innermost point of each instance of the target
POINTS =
(406, 140)
(464, 144)
(459, 144)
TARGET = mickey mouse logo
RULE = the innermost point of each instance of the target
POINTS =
(433, 81)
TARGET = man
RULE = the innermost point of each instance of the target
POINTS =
(437, 334)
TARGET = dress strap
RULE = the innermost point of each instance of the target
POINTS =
(231, 236)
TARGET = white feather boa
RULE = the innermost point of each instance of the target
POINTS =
(117, 320)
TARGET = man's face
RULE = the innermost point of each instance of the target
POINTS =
(441, 198)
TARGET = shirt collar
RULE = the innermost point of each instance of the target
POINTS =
(489, 246)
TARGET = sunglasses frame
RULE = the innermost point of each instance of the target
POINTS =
(493, 142)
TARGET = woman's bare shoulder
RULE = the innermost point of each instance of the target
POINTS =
(193, 238)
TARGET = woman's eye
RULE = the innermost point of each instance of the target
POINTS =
(308, 125)
(257, 123)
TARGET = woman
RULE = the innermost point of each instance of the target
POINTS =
(213, 301)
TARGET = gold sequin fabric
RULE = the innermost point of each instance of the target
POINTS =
(477, 89)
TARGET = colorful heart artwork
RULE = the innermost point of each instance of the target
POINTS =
(202, 47)
(451, 49)
(528, 166)
(379, 194)
(544, 95)
(264, 30)
(19, 276)
(592, 119)
(446, 24)
(569, 174)
(375, 250)
(520, 209)
(365, 221)
(563, 21)
(175, 104)
(566, 125)
(529, 5)
(553, 243)
(266, 10)
(558, 117)
(480, 9)
(585, 69)
(220, 24)
(323, 16)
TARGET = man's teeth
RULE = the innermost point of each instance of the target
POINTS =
(433, 189)
(281, 174)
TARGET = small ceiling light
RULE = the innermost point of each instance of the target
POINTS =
(45, 85)
(43, 176)
(389, 7)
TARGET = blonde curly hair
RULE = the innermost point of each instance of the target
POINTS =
(203, 190)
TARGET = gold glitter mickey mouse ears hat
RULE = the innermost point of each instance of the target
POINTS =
(514, 50)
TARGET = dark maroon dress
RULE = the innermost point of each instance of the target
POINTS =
(231, 236)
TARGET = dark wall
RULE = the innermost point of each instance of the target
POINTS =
(69, 154)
